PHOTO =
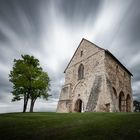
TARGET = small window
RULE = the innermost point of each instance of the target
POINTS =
(81, 53)
(124, 74)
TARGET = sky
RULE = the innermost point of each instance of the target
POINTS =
(51, 30)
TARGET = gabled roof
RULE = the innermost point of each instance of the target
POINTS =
(106, 51)
(83, 39)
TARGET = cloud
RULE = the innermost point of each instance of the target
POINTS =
(51, 31)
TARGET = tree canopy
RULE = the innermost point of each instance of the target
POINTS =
(136, 106)
(29, 81)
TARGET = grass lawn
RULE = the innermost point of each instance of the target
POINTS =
(74, 126)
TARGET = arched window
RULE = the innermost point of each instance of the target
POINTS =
(121, 102)
(128, 103)
(81, 72)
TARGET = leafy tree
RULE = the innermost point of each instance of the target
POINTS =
(136, 105)
(40, 88)
(29, 80)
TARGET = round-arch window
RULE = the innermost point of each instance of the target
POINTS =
(81, 72)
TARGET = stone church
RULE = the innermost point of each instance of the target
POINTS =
(95, 81)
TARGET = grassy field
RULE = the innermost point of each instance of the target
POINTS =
(75, 126)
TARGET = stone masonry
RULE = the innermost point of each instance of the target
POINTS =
(95, 81)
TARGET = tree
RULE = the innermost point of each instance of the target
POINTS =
(40, 89)
(136, 105)
(28, 81)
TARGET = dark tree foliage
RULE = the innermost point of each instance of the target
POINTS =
(29, 81)
(136, 106)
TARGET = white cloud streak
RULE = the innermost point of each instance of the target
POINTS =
(53, 39)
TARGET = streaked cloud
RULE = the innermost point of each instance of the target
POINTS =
(51, 31)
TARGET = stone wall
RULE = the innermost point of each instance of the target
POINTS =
(93, 61)
(103, 78)
(117, 78)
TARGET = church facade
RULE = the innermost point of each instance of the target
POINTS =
(95, 81)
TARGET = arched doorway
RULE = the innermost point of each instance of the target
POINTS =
(121, 102)
(78, 105)
(128, 103)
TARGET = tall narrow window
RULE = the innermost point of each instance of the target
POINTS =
(81, 53)
(81, 72)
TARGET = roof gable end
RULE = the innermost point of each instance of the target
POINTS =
(83, 44)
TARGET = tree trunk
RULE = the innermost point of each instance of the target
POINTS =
(24, 108)
(26, 97)
(32, 105)
(24, 105)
